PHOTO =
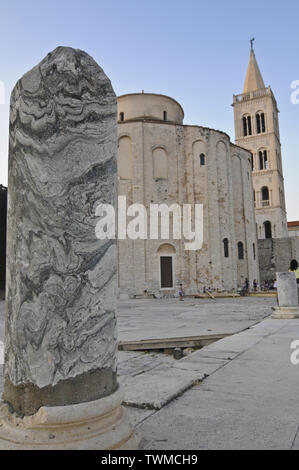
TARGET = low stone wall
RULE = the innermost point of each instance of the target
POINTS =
(275, 255)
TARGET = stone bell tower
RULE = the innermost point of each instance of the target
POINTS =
(257, 130)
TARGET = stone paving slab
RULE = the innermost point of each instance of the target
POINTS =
(214, 355)
(154, 319)
(249, 403)
(213, 420)
(137, 415)
(235, 344)
(151, 380)
(295, 445)
(154, 389)
(201, 368)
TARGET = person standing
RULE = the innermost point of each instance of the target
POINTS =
(294, 267)
(181, 292)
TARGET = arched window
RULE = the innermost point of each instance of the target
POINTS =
(121, 116)
(265, 196)
(254, 198)
(249, 125)
(268, 229)
(263, 122)
(260, 123)
(240, 250)
(244, 126)
(199, 154)
(160, 163)
(247, 129)
(265, 193)
(252, 162)
(225, 248)
(263, 157)
(165, 115)
(254, 253)
(125, 158)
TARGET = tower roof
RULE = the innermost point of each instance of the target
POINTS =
(254, 80)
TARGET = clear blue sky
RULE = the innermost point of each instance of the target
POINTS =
(195, 51)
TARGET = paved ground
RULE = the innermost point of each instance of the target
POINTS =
(238, 393)
(250, 402)
(150, 319)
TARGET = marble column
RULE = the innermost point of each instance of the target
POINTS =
(60, 340)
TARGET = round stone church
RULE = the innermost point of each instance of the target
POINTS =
(163, 161)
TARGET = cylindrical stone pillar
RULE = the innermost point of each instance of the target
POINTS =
(60, 340)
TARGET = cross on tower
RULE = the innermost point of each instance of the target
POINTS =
(251, 43)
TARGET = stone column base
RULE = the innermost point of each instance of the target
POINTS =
(100, 424)
(287, 313)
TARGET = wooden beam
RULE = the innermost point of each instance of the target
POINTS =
(170, 343)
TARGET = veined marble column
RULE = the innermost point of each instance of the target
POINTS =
(60, 343)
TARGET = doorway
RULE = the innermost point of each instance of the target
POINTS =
(166, 254)
(166, 269)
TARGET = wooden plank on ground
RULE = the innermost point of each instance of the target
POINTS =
(170, 343)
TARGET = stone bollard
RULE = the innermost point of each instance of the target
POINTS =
(60, 382)
(287, 291)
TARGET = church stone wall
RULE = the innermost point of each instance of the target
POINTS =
(164, 166)
(244, 220)
(275, 256)
(149, 106)
(273, 210)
